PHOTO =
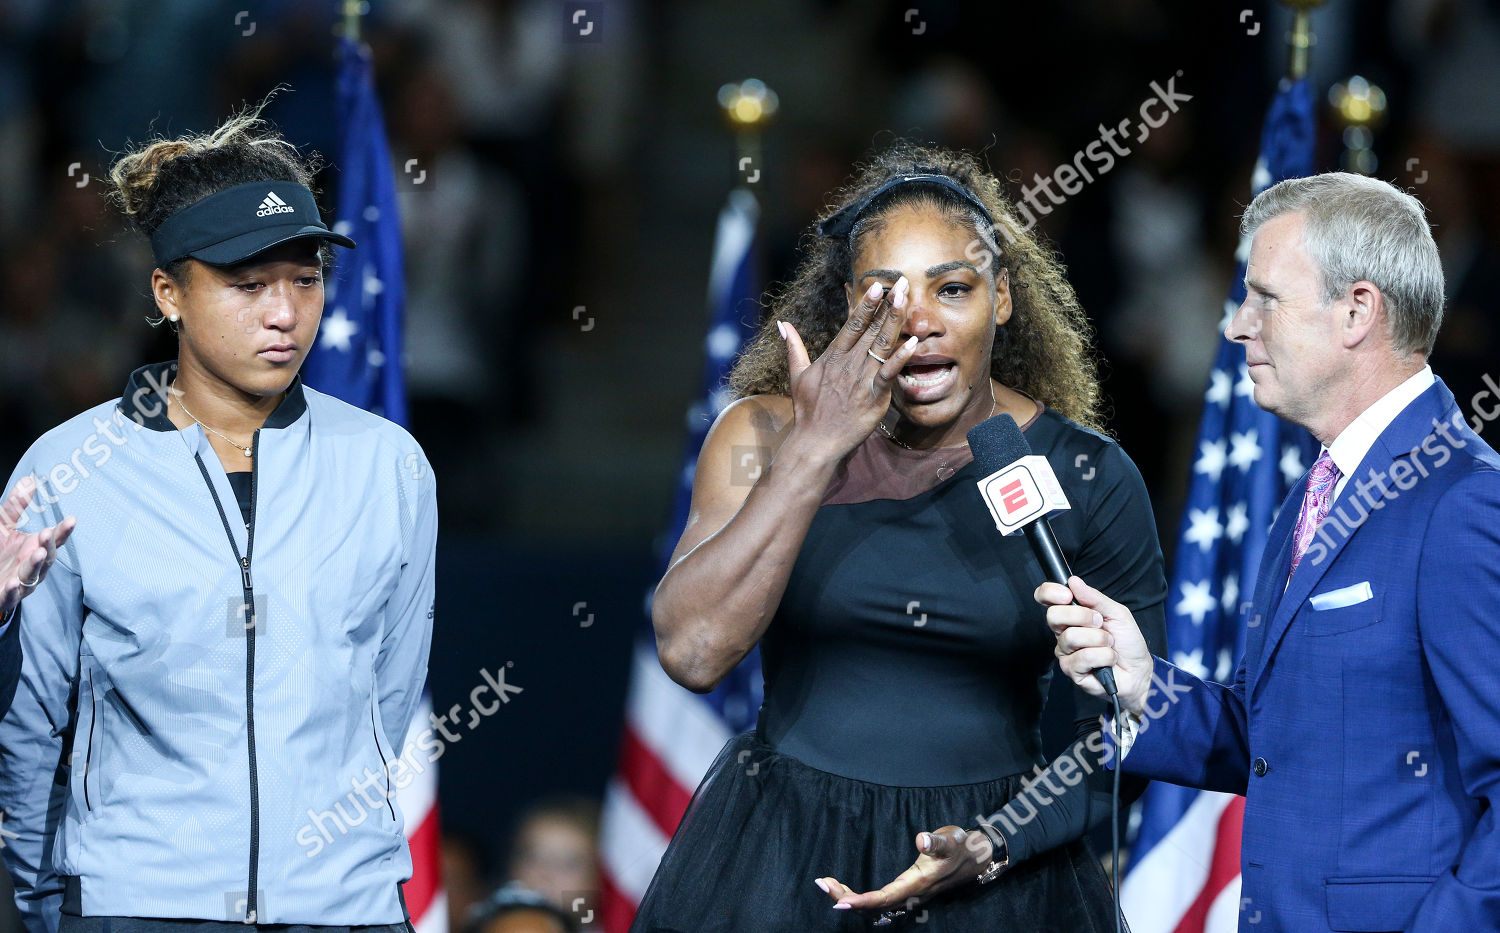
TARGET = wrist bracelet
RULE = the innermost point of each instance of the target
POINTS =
(997, 865)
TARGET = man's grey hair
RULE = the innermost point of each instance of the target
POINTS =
(1357, 228)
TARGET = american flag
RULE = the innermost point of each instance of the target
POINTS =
(671, 735)
(1185, 866)
(358, 359)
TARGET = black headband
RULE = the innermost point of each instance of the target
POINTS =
(234, 224)
(842, 221)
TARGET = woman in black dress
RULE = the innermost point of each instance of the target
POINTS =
(906, 663)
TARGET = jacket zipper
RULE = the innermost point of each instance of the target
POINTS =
(88, 753)
(251, 624)
(383, 766)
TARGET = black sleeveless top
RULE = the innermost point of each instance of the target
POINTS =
(907, 649)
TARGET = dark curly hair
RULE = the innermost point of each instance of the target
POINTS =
(160, 177)
(1044, 350)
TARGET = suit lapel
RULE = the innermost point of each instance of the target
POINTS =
(1400, 438)
(1272, 573)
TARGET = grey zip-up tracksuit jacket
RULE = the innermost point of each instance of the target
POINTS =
(194, 692)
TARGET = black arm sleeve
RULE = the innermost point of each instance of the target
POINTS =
(1121, 557)
(10, 659)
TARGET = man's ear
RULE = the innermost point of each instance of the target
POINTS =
(1003, 306)
(1363, 311)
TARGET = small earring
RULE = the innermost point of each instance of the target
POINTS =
(172, 318)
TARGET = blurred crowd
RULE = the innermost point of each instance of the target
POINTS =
(567, 171)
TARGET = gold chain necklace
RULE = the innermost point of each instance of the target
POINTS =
(894, 440)
(943, 470)
(247, 451)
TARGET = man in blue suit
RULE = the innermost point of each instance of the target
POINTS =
(1363, 725)
(24, 559)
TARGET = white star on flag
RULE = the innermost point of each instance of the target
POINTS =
(1192, 662)
(1218, 388)
(1245, 386)
(1291, 464)
(1260, 177)
(337, 331)
(1226, 666)
(372, 284)
(1204, 528)
(1238, 522)
(722, 342)
(720, 399)
(1245, 449)
(1196, 601)
(1231, 593)
(1229, 309)
(1211, 459)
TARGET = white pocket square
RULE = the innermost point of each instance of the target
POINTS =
(1344, 596)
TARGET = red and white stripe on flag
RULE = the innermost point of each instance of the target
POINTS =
(425, 900)
(1173, 889)
(671, 737)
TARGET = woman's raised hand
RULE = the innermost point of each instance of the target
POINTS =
(25, 557)
(840, 397)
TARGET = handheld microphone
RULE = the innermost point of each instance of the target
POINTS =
(1021, 490)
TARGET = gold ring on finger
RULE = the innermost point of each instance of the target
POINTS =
(876, 357)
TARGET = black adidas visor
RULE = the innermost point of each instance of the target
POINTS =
(232, 225)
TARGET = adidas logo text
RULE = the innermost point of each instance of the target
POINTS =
(274, 205)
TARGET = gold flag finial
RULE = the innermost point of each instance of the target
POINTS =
(1359, 105)
(1301, 38)
(748, 106)
(353, 10)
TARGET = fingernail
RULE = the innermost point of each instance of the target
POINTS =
(874, 291)
(822, 884)
(781, 329)
(841, 906)
(911, 341)
(926, 841)
(1098, 619)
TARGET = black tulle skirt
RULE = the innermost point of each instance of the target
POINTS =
(763, 825)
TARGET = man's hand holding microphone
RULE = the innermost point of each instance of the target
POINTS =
(1094, 631)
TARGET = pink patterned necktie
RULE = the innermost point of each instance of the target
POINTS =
(1320, 483)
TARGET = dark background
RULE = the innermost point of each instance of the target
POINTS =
(565, 173)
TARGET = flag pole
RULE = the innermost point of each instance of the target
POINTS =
(1301, 38)
(353, 9)
(748, 107)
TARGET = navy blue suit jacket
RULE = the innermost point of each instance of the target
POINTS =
(1363, 726)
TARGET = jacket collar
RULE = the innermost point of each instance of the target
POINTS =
(145, 397)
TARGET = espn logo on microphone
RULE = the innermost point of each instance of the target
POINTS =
(1022, 492)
